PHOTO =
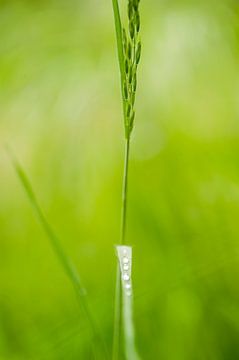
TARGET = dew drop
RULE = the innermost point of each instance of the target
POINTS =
(126, 277)
(125, 260)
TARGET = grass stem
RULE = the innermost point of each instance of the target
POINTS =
(125, 193)
(117, 314)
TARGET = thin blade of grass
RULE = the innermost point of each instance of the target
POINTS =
(117, 316)
(63, 258)
(124, 254)
(129, 332)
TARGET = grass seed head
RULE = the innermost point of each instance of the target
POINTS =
(132, 54)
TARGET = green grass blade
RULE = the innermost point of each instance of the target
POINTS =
(117, 316)
(129, 332)
(64, 260)
(124, 254)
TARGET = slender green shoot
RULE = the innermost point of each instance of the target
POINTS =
(129, 53)
(117, 315)
(124, 193)
(64, 260)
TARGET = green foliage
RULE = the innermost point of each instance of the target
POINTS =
(66, 128)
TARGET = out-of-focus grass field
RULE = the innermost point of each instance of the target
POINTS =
(60, 111)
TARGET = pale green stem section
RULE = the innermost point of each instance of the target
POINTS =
(65, 261)
(117, 315)
(125, 252)
(129, 333)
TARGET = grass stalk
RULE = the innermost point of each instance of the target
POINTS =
(117, 305)
(117, 315)
(125, 193)
(59, 251)
(129, 52)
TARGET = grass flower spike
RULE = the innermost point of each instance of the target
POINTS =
(132, 54)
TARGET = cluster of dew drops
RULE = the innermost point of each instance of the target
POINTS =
(126, 273)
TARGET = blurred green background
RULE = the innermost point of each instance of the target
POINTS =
(60, 111)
